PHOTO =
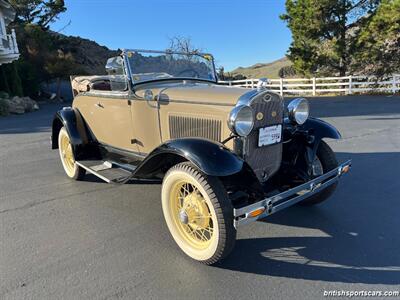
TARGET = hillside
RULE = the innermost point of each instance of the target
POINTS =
(89, 55)
(269, 70)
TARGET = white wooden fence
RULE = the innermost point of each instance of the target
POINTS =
(317, 86)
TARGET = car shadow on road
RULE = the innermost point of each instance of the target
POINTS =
(354, 236)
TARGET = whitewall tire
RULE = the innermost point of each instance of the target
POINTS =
(198, 213)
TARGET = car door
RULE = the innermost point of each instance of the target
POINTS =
(114, 122)
(145, 120)
(108, 115)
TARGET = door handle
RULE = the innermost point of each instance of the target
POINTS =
(98, 104)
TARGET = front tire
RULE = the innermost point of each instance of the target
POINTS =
(72, 170)
(198, 213)
(326, 161)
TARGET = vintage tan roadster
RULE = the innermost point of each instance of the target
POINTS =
(226, 156)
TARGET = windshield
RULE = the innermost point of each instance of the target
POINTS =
(153, 65)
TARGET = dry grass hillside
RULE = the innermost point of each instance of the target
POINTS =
(89, 55)
(269, 70)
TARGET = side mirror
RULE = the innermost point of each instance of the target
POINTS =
(115, 66)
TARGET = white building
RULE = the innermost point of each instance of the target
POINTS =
(8, 42)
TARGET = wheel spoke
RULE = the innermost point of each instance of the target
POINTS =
(180, 201)
(186, 188)
(204, 217)
(191, 231)
(210, 230)
(198, 235)
(189, 200)
(204, 238)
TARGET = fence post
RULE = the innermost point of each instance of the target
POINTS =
(313, 87)
(281, 86)
(350, 92)
(394, 84)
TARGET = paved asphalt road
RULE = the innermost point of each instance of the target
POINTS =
(90, 240)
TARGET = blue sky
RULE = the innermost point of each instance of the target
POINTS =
(238, 33)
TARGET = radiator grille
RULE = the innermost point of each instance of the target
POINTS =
(266, 160)
(180, 127)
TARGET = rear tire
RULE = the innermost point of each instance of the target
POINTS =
(72, 170)
(328, 161)
(198, 213)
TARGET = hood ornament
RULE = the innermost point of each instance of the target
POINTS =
(262, 83)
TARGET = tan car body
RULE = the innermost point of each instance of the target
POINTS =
(126, 120)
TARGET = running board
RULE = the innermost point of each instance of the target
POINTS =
(105, 170)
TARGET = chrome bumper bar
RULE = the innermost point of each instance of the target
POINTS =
(288, 198)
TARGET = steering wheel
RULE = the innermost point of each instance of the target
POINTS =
(195, 73)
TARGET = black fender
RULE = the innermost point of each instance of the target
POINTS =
(316, 131)
(72, 121)
(210, 157)
(321, 129)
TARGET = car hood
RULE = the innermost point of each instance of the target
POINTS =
(196, 92)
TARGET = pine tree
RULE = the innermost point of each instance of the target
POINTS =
(377, 47)
(321, 32)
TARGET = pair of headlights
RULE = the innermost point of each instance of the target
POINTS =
(241, 118)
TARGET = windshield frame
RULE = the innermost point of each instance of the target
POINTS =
(201, 54)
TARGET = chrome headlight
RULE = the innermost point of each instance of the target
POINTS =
(241, 120)
(298, 110)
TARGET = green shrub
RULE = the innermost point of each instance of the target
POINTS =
(4, 95)
(4, 107)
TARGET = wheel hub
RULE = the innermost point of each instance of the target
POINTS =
(195, 211)
(183, 217)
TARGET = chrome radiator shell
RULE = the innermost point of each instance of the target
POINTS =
(265, 160)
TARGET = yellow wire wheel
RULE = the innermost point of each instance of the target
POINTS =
(67, 156)
(198, 213)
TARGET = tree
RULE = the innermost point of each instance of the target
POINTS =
(40, 12)
(59, 66)
(320, 30)
(377, 47)
(36, 44)
(10, 82)
(287, 71)
(221, 73)
(16, 85)
(182, 44)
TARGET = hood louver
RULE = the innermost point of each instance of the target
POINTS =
(183, 126)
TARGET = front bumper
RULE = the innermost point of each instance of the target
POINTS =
(273, 204)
